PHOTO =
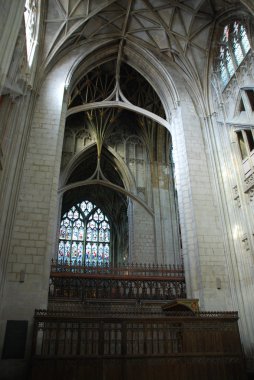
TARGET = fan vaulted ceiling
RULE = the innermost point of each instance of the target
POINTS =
(178, 30)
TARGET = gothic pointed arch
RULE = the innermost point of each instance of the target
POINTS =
(115, 145)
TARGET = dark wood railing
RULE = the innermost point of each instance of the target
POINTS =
(131, 270)
(125, 281)
(67, 334)
(85, 334)
(190, 345)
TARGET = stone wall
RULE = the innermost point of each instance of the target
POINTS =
(235, 185)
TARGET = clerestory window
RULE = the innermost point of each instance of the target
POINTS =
(234, 46)
(31, 23)
(84, 236)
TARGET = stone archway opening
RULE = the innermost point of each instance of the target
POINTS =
(117, 144)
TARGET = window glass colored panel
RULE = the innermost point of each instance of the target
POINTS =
(224, 74)
(75, 233)
(236, 28)
(92, 224)
(74, 251)
(106, 253)
(226, 33)
(96, 215)
(89, 206)
(104, 225)
(68, 233)
(79, 223)
(94, 252)
(70, 214)
(88, 253)
(66, 222)
(95, 234)
(67, 249)
(80, 251)
(101, 234)
(237, 52)
(62, 232)
(83, 206)
(61, 250)
(230, 64)
(107, 235)
(245, 40)
(81, 233)
(89, 234)
(76, 214)
(222, 52)
(100, 254)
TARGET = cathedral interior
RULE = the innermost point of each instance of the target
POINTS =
(127, 189)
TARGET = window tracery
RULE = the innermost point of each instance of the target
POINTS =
(234, 46)
(84, 235)
(31, 17)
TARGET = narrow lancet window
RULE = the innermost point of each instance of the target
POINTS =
(31, 23)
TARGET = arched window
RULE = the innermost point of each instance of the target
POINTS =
(31, 22)
(234, 45)
(84, 235)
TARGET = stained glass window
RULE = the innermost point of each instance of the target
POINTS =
(234, 46)
(223, 66)
(244, 39)
(98, 238)
(84, 235)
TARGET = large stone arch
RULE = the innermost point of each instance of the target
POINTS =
(40, 176)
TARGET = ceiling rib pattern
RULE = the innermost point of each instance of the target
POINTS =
(177, 29)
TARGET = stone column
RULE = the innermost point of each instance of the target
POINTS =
(202, 238)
